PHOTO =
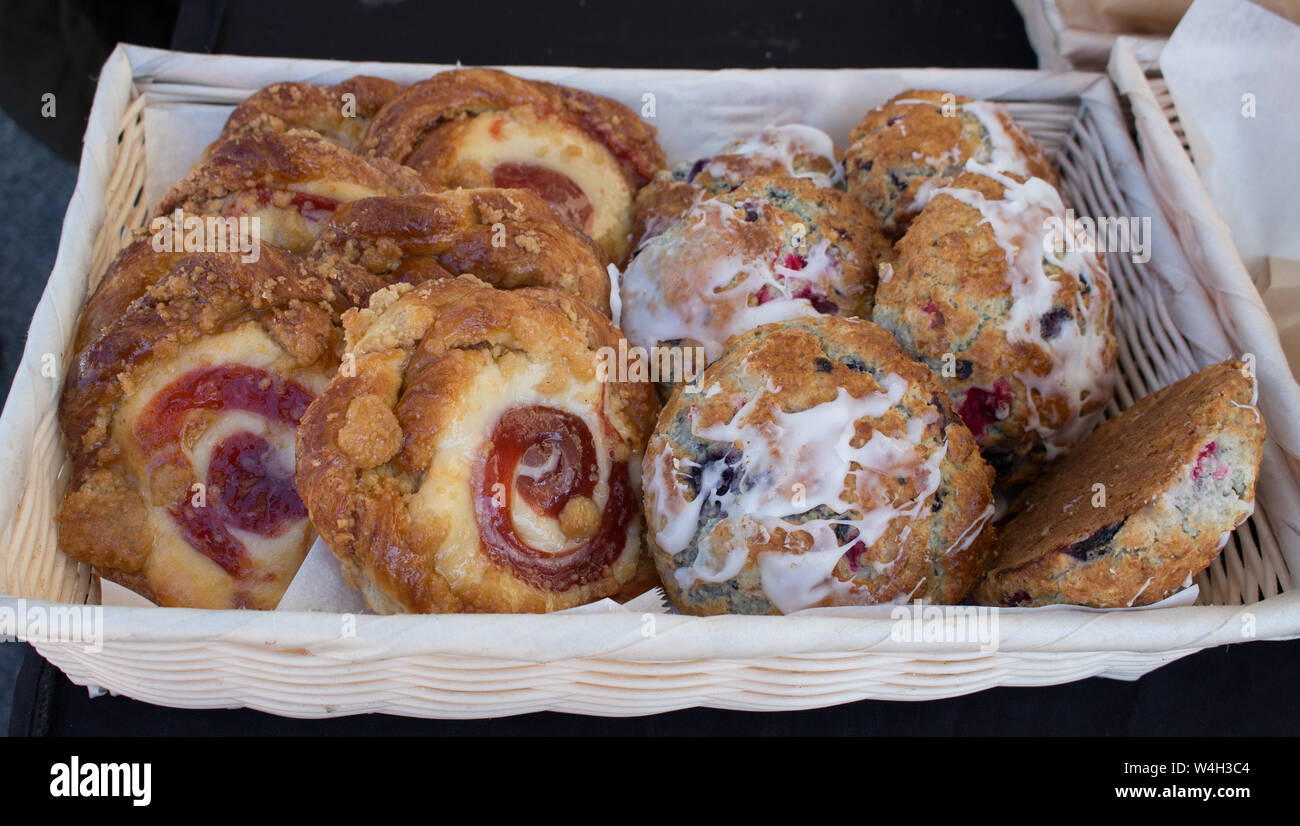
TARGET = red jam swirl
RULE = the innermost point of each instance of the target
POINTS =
(555, 188)
(532, 436)
(244, 489)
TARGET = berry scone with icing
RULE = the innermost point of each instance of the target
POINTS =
(338, 113)
(922, 135)
(819, 465)
(1021, 336)
(770, 250)
(469, 458)
(292, 182)
(508, 237)
(789, 151)
(180, 421)
(584, 154)
(1142, 505)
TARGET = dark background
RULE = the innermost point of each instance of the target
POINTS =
(59, 46)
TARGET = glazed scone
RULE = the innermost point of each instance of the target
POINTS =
(818, 465)
(1020, 336)
(180, 418)
(507, 237)
(291, 182)
(771, 250)
(584, 154)
(921, 135)
(470, 460)
(790, 151)
(1176, 474)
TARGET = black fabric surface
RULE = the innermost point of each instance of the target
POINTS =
(1237, 690)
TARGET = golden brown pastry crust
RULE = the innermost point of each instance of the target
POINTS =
(104, 519)
(136, 268)
(432, 127)
(392, 456)
(900, 145)
(320, 109)
(1178, 471)
(508, 237)
(279, 176)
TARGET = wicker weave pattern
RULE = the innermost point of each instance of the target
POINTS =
(302, 681)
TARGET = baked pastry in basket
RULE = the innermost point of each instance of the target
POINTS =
(508, 237)
(292, 182)
(922, 135)
(1142, 505)
(180, 422)
(773, 249)
(469, 458)
(819, 465)
(790, 151)
(135, 269)
(1021, 337)
(338, 113)
(584, 154)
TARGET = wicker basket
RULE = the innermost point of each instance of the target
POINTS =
(319, 664)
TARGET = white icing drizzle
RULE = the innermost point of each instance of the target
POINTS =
(781, 145)
(1079, 371)
(1005, 154)
(697, 284)
(791, 463)
(1140, 591)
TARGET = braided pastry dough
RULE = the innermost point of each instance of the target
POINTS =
(584, 154)
(338, 113)
(179, 419)
(471, 459)
(507, 237)
(292, 182)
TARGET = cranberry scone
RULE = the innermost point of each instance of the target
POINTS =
(584, 154)
(469, 458)
(771, 250)
(507, 237)
(180, 423)
(1142, 505)
(923, 136)
(790, 151)
(819, 465)
(1020, 335)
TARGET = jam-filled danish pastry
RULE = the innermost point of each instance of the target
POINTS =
(771, 250)
(338, 113)
(819, 465)
(180, 423)
(508, 237)
(474, 457)
(292, 182)
(584, 154)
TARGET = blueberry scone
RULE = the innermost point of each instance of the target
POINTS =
(1018, 330)
(468, 458)
(180, 420)
(923, 135)
(584, 154)
(819, 465)
(789, 151)
(770, 250)
(1142, 505)
(508, 237)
